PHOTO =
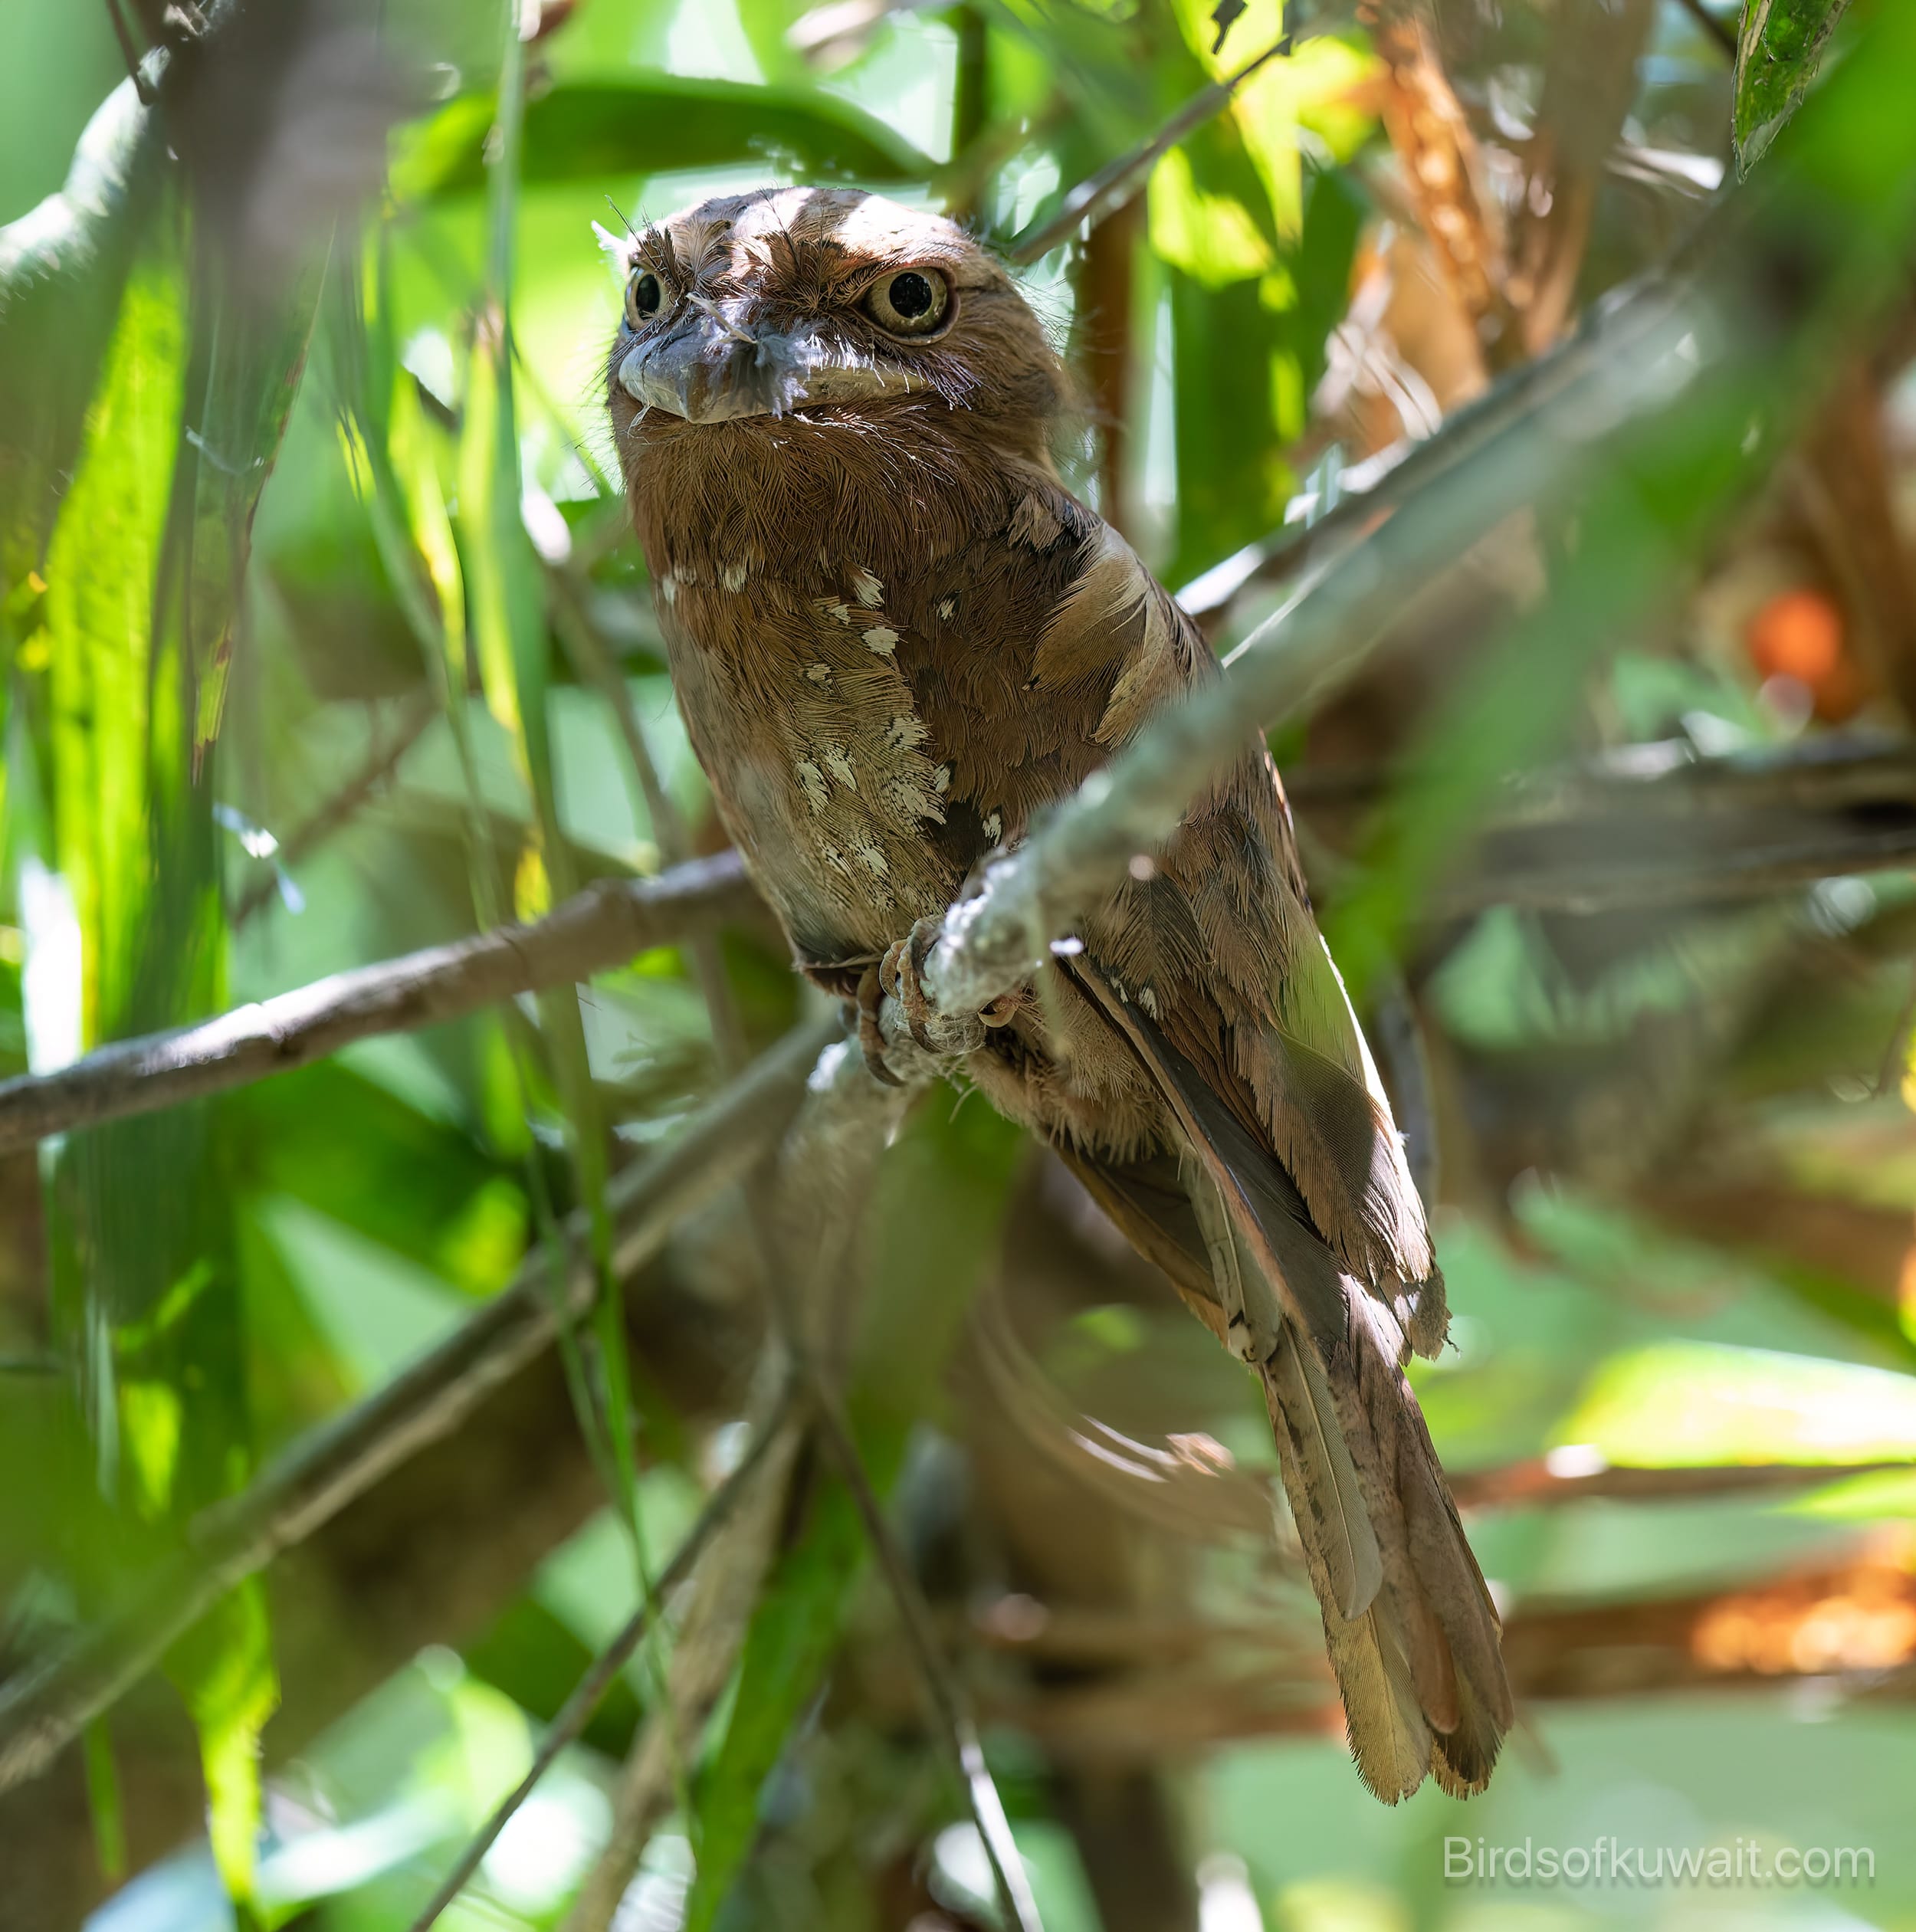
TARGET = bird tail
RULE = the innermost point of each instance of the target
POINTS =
(1412, 1636)
(1408, 1626)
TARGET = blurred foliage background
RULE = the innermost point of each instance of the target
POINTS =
(324, 643)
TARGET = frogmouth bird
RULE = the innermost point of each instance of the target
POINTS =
(895, 637)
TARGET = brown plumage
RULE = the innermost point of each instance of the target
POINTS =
(895, 636)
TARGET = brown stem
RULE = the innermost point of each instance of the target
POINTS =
(598, 928)
(382, 760)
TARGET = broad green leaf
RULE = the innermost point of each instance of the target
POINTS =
(140, 1210)
(101, 570)
(608, 130)
(354, 1149)
(1779, 47)
(1212, 239)
(1681, 1404)
(61, 265)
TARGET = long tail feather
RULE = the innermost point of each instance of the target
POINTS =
(1412, 1636)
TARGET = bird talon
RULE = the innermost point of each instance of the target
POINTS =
(901, 974)
(872, 1039)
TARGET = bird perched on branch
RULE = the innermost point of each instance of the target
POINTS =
(895, 637)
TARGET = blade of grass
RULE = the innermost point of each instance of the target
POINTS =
(507, 587)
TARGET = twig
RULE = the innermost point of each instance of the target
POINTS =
(43, 1707)
(577, 1711)
(1724, 36)
(380, 762)
(950, 1707)
(1118, 180)
(131, 55)
(712, 1628)
(598, 928)
(1536, 1483)
(1705, 875)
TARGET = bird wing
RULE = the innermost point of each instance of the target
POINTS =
(1219, 947)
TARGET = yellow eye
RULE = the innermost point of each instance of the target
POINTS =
(645, 296)
(913, 302)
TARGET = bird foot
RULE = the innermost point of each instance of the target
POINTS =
(899, 976)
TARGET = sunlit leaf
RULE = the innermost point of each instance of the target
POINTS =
(608, 131)
(61, 265)
(140, 1209)
(1684, 1404)
(506, 592)
(1779, 48)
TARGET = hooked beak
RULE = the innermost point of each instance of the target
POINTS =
(708, 368)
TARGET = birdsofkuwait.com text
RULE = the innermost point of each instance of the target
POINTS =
(1753, 1864)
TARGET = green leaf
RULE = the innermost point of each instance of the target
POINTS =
(225, 1664)
(506, 592)
(61, 267)
(142, 573)
(795, 1630)
(354, 1149)
(1779, 48)
(604, 130)
(252, 347)
(1682, 1405)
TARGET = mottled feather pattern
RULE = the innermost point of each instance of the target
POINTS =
(896, 638)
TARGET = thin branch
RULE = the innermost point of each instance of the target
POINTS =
(1119, 180)
(43, 1708)
(597, 929)
(713, 1627)
(1720, 32)
(382, 760)
(131, 55)
(577, 1711)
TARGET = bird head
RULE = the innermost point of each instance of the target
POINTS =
(823, 306)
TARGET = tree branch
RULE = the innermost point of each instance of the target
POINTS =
(43, 1709)
(600, 927)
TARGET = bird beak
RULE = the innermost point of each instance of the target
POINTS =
(707, 367)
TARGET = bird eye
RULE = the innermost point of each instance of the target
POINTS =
(913, 302)
(644, 295)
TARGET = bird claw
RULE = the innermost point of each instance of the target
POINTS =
(872, 1039)
(899, 976)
